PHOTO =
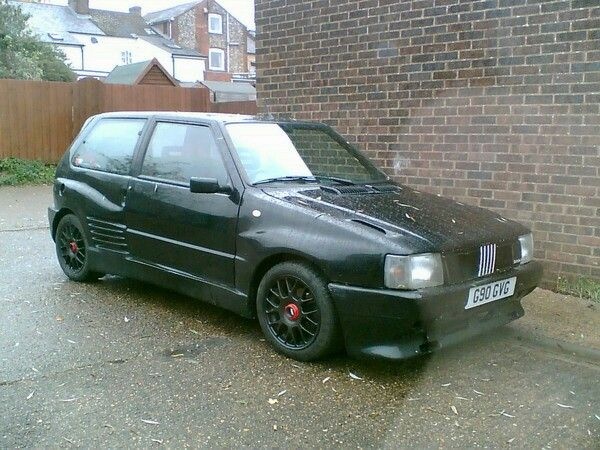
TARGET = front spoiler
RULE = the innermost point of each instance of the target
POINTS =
(384, 323)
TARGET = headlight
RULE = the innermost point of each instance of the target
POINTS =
(413, 271)
(526, 242)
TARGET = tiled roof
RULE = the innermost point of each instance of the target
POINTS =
(54, 24)
(127, 25)
(168, 14)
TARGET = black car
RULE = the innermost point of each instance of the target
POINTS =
(288, 223)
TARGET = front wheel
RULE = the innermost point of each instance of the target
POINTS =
(296, 312)
(72, 250)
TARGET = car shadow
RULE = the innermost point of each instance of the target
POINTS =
(220, 322)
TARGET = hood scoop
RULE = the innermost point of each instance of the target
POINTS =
(386, 188)
(358, 189)
(369, 224)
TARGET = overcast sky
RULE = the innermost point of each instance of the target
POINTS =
(242, 9)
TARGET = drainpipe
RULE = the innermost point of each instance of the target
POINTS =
(228, 69)
(173, 58)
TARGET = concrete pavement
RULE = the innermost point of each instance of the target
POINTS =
(120, 363)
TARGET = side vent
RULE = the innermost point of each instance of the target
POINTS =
(369, 224)
(108, 235)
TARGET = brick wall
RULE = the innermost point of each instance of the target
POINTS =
(491, 102)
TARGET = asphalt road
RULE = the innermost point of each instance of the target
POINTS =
(120, 363)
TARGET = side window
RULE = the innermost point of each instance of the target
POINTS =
(178, 152)
(110, 145)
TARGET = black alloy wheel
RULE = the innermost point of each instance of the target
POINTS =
(296, 313)
(72, 250)
(292, 313)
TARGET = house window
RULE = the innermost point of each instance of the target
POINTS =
(216, 59)
(215, 23)
(126, 57)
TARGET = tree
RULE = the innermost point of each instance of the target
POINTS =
(22, 55)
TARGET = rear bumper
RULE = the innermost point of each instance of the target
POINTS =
(393, 324)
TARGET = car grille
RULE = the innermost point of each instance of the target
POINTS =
(481, 261)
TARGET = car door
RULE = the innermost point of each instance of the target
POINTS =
(101, 165)
(188, 233)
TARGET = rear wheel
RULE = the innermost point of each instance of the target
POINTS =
(296, 313)
(72, 250)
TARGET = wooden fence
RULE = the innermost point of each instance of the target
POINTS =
(38, 119)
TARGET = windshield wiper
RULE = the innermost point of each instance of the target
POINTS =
(335, 179)
(287, 178)
(308, 179)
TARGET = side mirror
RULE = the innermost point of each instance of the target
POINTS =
(208, 186)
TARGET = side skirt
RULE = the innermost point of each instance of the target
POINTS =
(184, 283)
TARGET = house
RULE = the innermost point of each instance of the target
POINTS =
(96, 41)
(183, 63)
(251, 51)
(224, 91)
(210, 29)
(146, 72)
(61, 27)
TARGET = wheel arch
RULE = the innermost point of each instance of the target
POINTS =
(57, 218)
(271, 261)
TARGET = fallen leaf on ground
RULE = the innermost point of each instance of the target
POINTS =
(446, 384)
(325, 380)
(151, 422)
(272, 401)
(281, 393)
(30, 395)
(477, 392)
(454, 410)
(565, 406)
(354, 377)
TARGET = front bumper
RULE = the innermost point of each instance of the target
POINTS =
(394, 324)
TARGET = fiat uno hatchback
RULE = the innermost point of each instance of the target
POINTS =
(287, 223)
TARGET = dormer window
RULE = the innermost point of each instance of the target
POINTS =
(215, 24)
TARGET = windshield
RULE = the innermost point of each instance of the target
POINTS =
(271, 152)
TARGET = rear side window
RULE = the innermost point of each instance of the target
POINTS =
(178, 152)
(110, 145)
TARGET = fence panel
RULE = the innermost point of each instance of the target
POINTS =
(39, 119)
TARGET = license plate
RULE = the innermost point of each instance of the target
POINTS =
(487, 293)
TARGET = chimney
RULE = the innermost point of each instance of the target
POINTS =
(137, 10)
(80, 6)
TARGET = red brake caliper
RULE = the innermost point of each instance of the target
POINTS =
(74, 248)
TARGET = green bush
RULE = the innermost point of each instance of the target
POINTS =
(579, 287)
(14, 171)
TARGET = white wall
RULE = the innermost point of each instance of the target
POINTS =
(189, 70)
(102, 57)
(73, 54)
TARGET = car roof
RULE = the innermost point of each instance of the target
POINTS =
(204, 116)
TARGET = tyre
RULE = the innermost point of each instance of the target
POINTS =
(296, 313)
(72, 250)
